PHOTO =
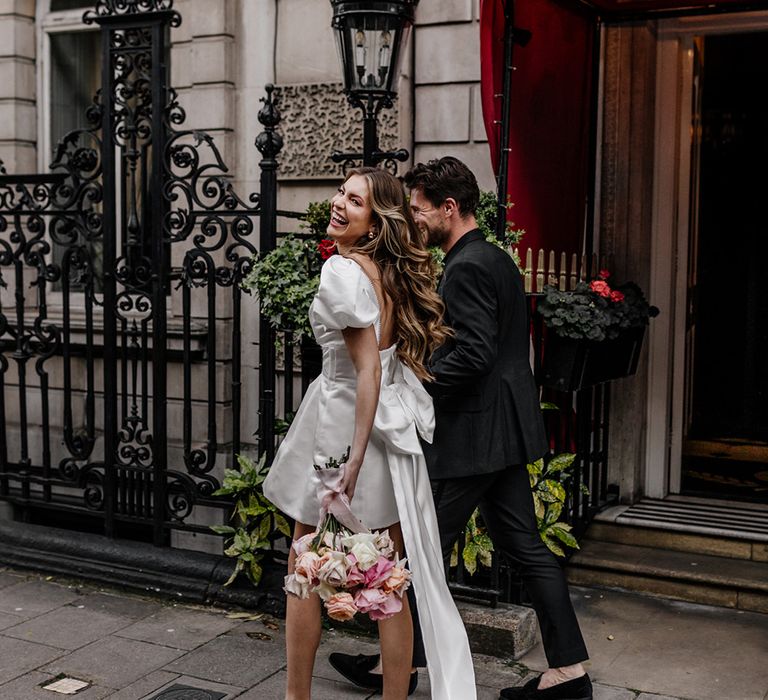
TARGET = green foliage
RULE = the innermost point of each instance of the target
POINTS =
(549, 496)
(255, 519)
(318, 217)
(477, 546)
(586, 314)
(486, 215)
(285, 280)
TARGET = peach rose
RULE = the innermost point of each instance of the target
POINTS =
(332, 569)
(398, 581)
(307, 565)
(341, 607)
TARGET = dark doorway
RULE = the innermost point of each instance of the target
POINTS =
(726, 448)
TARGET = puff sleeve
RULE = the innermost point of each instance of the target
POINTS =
(345, 297)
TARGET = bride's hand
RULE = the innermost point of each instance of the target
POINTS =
(349, 482)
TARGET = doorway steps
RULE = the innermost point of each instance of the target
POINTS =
(714, 553)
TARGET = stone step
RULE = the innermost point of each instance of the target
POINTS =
(694, 577)
(644, 536)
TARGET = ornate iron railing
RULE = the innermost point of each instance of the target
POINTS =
(156, 243)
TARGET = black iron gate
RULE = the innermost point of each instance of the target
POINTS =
(147, 222)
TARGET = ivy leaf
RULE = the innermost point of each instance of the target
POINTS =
(238, 569)
(223, 529)
(470, 557)
(561, 462)
(565, 537)
(281, 524)
(254, 572)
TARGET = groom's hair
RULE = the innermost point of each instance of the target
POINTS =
(442, 178)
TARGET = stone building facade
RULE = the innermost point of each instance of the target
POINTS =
(225, 51)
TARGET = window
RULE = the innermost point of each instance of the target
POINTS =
(70, 75)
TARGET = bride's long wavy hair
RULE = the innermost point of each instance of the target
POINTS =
(407, 270)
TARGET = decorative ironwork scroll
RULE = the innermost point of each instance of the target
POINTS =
(127, 197)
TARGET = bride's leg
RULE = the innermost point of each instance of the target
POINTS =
(302, 633)
(396, 636)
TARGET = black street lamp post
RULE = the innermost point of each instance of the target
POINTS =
(371, 36)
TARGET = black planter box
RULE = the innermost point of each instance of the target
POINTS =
(570, 365)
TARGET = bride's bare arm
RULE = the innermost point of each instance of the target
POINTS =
(364, 352)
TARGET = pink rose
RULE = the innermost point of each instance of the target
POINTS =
(355, 577)
(341, 607)
(617, 296)
(398, 581)
(600, 287)
(302, 544)
(307, 566)
(377, 604)
(379, 572)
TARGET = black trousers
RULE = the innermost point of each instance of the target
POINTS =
(506, 504)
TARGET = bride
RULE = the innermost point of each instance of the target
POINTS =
(377, 317)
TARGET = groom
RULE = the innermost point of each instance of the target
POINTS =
(488, 423)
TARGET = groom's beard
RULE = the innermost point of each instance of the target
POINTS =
(436, 234)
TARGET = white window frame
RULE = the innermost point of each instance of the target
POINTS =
(670, 238)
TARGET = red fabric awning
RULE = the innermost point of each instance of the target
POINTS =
(549, 129)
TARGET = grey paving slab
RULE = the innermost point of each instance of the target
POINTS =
(8, 620)
(273, 688)
(608, 692)
(27, 687)
(68, 627)
(130, 607)
(653, 696)
(114, 661)
(498, 673)
(234, 659)
(179, 627)
(333, 641)
(9, 578)
(229, 691)
(144, 686)
(17, 657)
(35, 597)
(670, 648)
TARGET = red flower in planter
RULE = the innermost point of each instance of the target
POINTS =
(600, 287)
(617, 296)
(326, 247)
(603, 274)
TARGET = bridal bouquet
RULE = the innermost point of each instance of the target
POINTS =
(351, 569)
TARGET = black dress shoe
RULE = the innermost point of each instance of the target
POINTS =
(357, 670)
(576, 689)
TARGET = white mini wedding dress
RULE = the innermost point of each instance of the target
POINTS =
(393, 485)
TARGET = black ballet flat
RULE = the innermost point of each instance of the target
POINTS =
(576, 689)
(357, 670)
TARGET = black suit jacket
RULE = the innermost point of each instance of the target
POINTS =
(487, 411)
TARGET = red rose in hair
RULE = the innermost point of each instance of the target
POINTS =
(603, 274)
(617, 296)
(326, 247)
(601, 288)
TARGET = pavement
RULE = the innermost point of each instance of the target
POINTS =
(130, 647)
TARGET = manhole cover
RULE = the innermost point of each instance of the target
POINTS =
(187, 692)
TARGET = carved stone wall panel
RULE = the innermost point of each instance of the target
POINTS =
(317, 119)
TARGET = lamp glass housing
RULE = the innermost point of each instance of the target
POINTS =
(370, 37)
